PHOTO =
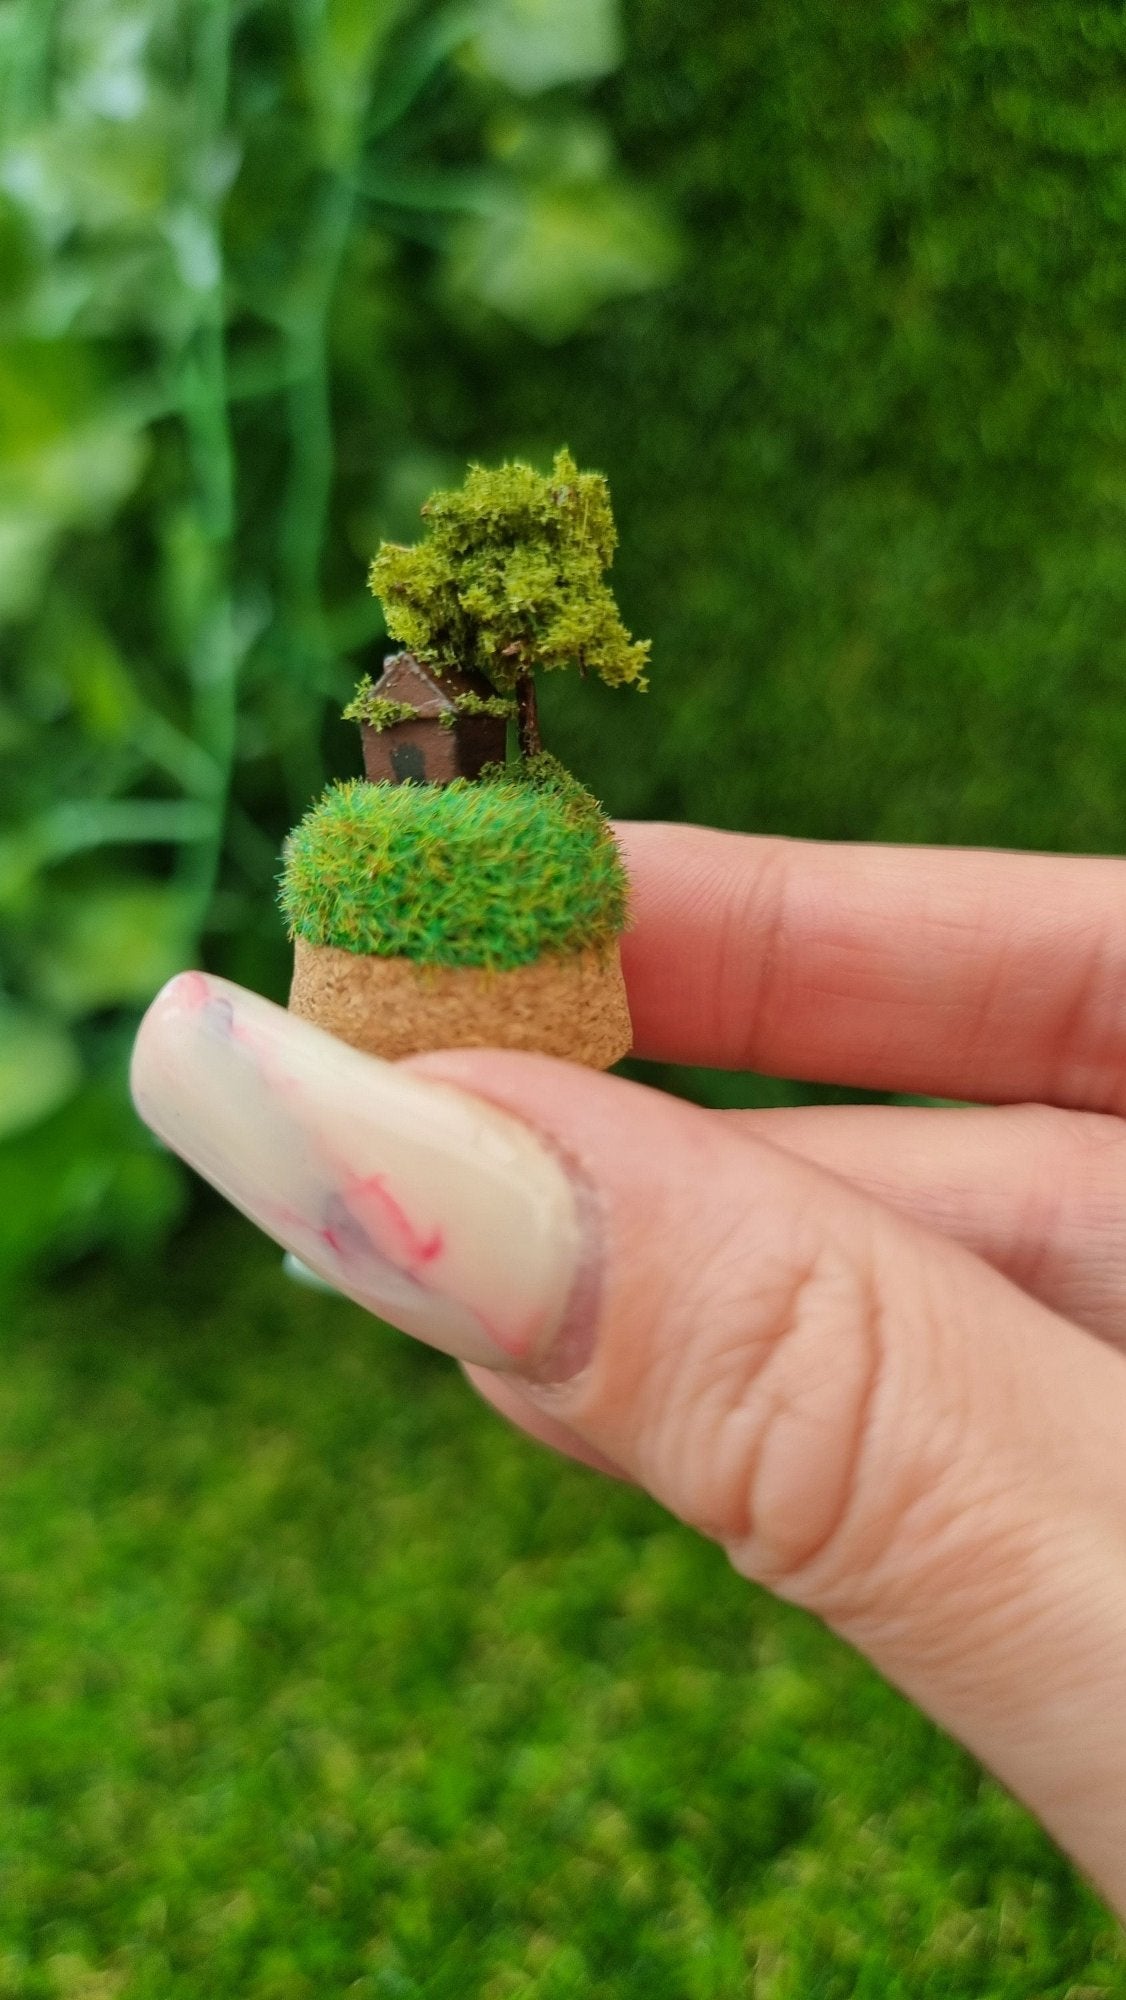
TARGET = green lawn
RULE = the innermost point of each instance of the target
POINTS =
(317, 1681)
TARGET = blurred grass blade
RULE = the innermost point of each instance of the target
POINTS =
(417, 60)
(80, 824)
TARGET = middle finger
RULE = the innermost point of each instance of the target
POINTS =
(985, 976)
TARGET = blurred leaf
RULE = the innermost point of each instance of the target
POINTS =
(112, 946)
(104, 45)
(95, 173)
(89, 1174)
(568, 151)
(534, 45)
(17, 254)
(66, 457)
(25, 554)
(39, 1067)
(80, 474)
(75, 652)
(552, 255)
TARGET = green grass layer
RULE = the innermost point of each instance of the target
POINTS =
(492, 873)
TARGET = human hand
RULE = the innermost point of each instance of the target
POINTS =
(876, 1352)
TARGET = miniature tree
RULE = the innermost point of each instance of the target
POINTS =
(511, 578)
(451, 900)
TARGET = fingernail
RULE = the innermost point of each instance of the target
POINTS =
(432, 1209)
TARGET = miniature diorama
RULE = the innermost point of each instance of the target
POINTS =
(468, 891)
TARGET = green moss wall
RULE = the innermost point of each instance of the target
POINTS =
(869, 450)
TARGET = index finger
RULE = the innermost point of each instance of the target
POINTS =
(946, 972)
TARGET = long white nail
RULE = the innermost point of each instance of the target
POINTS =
(432, 1209)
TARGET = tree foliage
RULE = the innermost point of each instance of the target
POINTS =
(511, 578)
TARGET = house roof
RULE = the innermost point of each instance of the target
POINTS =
(430, 693)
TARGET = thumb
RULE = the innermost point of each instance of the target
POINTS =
(871, 1421)
(867, 1418)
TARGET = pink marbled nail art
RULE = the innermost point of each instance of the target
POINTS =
(435, 1211)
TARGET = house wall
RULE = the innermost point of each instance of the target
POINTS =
(426, 752)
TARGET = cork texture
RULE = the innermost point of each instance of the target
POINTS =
(571, 1004)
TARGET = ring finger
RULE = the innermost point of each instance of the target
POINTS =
(1038, 1193)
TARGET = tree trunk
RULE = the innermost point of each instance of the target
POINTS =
(528, 721)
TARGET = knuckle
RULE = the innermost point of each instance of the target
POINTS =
(748, 928)
(1096, 1150)
(1065, 1225)
(1086, 1038)
(1093, 1178)
(761, 1417)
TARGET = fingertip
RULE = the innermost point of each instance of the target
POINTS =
(183, 997)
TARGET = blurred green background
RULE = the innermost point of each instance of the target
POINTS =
(836, 298)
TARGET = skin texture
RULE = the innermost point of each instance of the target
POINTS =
(875, 1353)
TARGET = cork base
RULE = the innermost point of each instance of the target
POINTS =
(571, 1005)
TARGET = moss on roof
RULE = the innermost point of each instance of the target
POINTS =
(367, 705)
(493, 873)
(498, 705)
(376, 710)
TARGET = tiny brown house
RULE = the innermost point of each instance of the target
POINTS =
(449, 725)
